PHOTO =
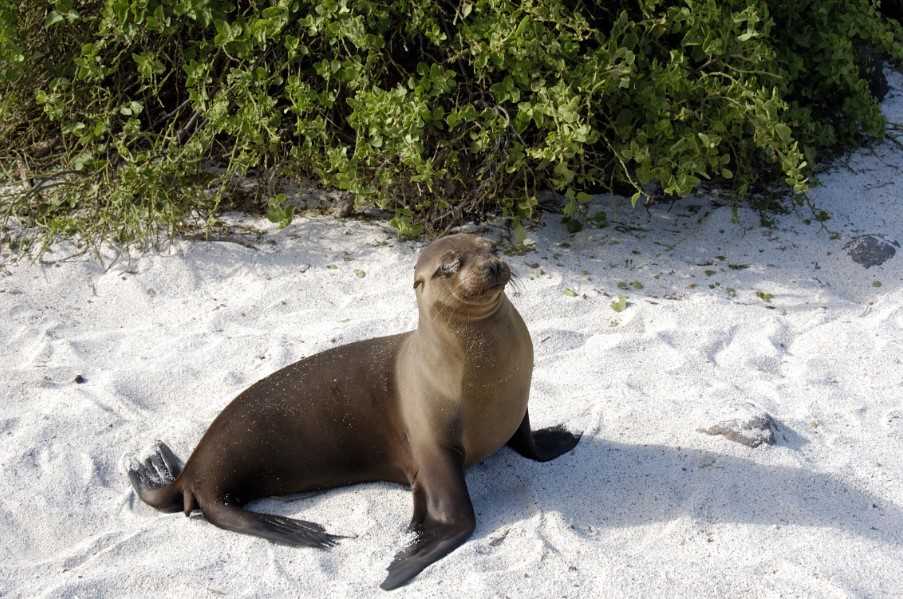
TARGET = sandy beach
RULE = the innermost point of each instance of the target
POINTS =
(668, 324)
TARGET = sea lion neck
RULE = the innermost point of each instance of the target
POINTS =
(458, 313)
(453, 327)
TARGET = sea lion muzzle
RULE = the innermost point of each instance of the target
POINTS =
(495, 273)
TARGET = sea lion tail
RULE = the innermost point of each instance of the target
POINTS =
(155, 480)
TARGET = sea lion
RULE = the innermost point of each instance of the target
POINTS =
(413, 408)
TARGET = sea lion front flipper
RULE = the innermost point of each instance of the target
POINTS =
(278, 529)
(443, 515)
(542, 445)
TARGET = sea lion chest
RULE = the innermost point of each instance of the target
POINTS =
(497, 366)
(472, 390)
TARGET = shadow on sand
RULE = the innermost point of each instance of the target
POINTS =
(604, 484)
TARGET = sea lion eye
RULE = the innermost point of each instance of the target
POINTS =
(449, 267)
(418, 283)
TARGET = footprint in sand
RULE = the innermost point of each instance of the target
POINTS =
(7, 425)
(893, 422)
(557, 340)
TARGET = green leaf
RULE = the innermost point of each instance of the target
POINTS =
(573, 225)
(406, 228)
(600, 219)
(53, 17)
(279, 211)
(81, 160)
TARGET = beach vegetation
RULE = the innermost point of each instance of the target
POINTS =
(136, 120)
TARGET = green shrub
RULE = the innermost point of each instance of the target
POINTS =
(117, 111)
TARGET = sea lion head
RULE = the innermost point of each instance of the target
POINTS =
(461, 273)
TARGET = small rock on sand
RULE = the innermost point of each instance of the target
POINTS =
(871, 250)
(751, 426)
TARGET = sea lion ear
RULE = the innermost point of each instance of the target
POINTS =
(417, 283)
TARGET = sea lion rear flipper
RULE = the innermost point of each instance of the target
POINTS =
(542, 445)
(443, 515)
(154, 480)
(278, 529)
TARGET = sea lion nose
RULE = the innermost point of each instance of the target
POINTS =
(495, 268)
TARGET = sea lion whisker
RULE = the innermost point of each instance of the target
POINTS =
(516, 281)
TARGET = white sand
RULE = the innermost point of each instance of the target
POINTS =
(646, 506)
